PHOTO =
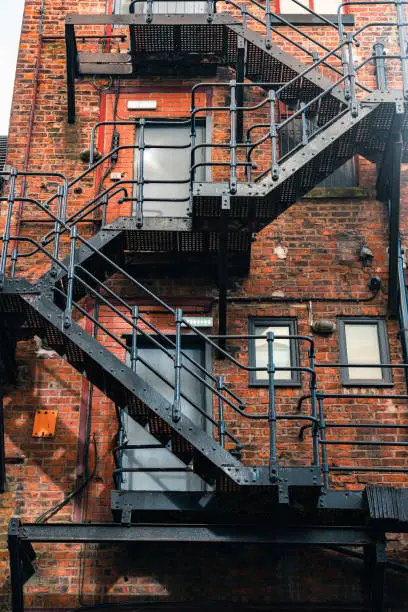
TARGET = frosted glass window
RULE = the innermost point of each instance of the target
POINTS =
(289, 7)
(281, 352)
(324, 7)
(364, 341)
(363, 346)
(284, 351)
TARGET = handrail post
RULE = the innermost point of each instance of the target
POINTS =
(140, 173)
(345, 62)
(70, 279)
(352, 77)
(149, 11)
(221, 420)
(272, 420)
(134, 349)
(248, 167)
(105, 201)
(268, 23)
(313, 396)
(273, 133)
(210, 11)
(379, 62)
(402, 34)
(14, 258)
(233, 137)
(58, 228)
(7, 227)
(193, 135)
(305, 127)
(176, 413)
(322, 425)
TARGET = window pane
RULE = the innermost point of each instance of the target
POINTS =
(363, 346)
(287, 6)
(326, 7)
(281, 351)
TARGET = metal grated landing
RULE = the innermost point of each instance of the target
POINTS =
(140, 241)
(191, 38)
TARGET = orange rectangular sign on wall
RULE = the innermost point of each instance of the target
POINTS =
(44, 423)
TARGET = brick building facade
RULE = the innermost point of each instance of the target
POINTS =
(291, 268)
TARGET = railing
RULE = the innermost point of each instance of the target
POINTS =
(235, 157)
(228, 405)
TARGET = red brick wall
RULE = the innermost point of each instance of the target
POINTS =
(310, 254)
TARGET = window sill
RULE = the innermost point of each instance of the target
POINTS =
(367, 383)
(339, 193)
(281, 384)
(311, 20)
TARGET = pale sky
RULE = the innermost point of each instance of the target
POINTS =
(11, 14)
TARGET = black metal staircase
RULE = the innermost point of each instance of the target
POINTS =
(222, 217)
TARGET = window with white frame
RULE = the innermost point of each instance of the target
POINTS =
(363, 343)
(285, 351)
(324, 7)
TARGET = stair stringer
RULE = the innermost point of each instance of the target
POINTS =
(266, 200)
(119, 383)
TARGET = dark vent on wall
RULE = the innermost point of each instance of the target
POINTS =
(3, 151)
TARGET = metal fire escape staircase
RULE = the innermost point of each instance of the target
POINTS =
(348, 119)
(345, 125)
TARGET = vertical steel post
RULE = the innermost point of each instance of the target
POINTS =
(134, 349)
(2, 452)
(244, 14)
(16, 568)
(149, 11)
(305, 127)
(7, 227)
(268, 23)
(345, 61)
(176, 413)
(375, 559)
(58, 228)
(313, 399)
(402, 35)
(219, 381)
(105, 200)
(352, 77)
(322, 426)
(70, 279)
(403, 309)
(272, 420)
(210, 10)
(14, 258)
(273, 133)
(140, 173)
(233, 137)
(379, 62)
(193, 135)
(394, 227)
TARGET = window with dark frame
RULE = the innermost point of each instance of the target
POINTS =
(364, 341)
(291, 136)
(286, 351)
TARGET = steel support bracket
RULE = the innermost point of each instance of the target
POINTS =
(375, 560)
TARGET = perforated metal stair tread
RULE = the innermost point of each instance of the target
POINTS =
(345, 137)
(193, 36)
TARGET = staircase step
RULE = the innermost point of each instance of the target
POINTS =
(120, 384)
(191, 39)
(264, 201)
